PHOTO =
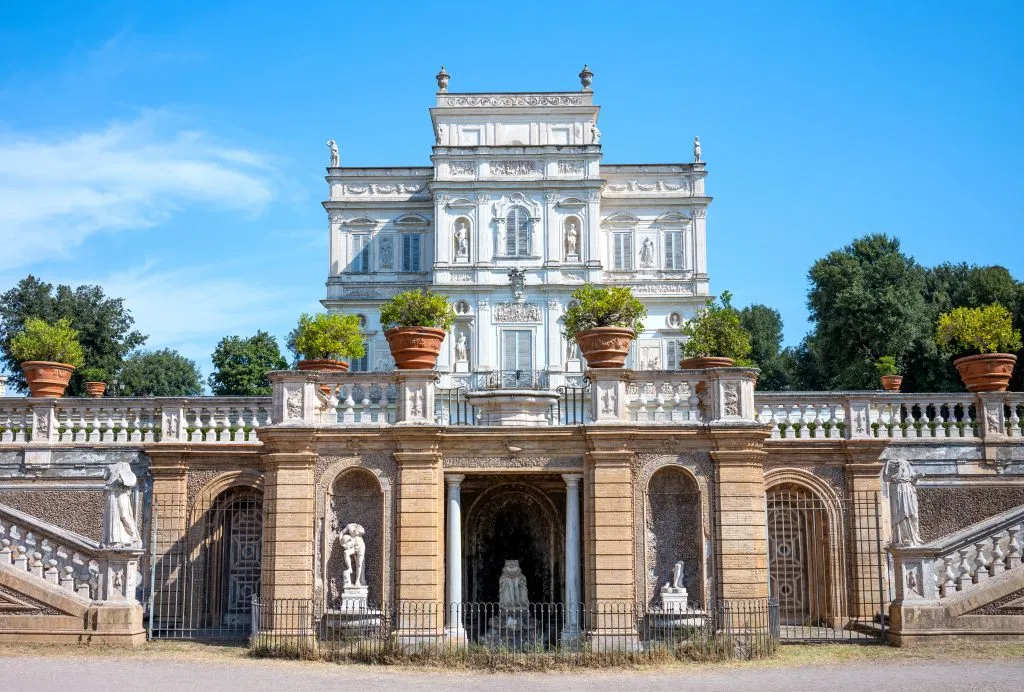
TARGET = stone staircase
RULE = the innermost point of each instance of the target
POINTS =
(58, 585)
(967, 585)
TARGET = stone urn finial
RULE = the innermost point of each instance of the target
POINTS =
(442, 80)
(586, 77)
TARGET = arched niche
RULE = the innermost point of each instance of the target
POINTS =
(572, 237)
(674, 531)
(462, 233)
(354, 497)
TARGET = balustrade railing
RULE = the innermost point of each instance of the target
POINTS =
(664, 397)
(961, 561)
(359, 399)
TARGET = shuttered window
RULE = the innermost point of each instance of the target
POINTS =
(517, 233)
(674, 250)
(411, 252)
(517, 349)
(622, 251)
(673, 354)
(361, 253)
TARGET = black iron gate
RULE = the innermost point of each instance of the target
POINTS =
(826, 565)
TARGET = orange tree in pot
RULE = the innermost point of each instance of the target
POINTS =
(95, 381)
(415, 324)
(604, 321)
(48, 355)
(889, 373)
(324, 341)
(984, 338)
(715, 337)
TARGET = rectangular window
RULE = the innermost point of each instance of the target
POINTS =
(411, 253)
(361, 364)
(517, 350)
(673, 353)
(622, 251)
(674, 250)
(361, 253)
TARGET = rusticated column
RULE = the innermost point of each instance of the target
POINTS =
(868, 528)
(169, 518)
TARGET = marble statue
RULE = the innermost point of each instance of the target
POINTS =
(677, 575)
(647, 253)
(119, 527)
(462, 347)
(439, 137)
(332, 145)
(595, 133)
(903, 502)
(674, 597)
(572, 237)
(461, 240)
(572, 350)
(354, 552)
(696, 149)
(512, 593)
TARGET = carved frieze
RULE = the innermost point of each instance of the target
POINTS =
(673, 186)
(513, 167)
(386, 189)
(520, 100)
(516, 312)
(513, 462)
(464, 168)
(571, 167)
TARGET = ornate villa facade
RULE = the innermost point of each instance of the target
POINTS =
(670, 498)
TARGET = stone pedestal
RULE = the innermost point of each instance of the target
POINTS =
(673, 600)
(461, 366)
(354, 597)
(517, 408)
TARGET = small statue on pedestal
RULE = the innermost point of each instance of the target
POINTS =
(353, 586)
(673, 594)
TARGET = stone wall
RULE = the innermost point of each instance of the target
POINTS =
(673, 525)
(948, 509)
(356, 498)
(80, 511)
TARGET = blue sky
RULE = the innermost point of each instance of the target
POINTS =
(174, 152)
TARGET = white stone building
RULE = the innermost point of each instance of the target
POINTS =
(515, 212)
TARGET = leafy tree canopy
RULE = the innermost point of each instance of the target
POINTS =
(241, 365)
(103, 324)
(159, 373)
(764, 324)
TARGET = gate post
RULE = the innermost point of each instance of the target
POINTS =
(868, 532)
(167, 554)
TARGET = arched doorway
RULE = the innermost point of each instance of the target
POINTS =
(804, 556)
(234, 545)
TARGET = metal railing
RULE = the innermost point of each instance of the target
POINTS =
(513, 379)
(489, 635)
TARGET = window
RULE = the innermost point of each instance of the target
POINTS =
(361, 253)
(674, 250)
(673, 353)
(361, 364)
(517, 233)
(517, 349)
(622, 251)
(411, 255)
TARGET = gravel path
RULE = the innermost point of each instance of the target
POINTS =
(61, 674)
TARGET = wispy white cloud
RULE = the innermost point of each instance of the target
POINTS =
(57, 192)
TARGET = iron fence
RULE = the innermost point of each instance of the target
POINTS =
(571, 406)
(487, 634)
(452, 407)
(514, 379)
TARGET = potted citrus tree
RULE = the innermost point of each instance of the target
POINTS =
(95, 381)
(48, 354)
(415, 324)
(715, 337)
(984, 338)
(324, 341)
(889, 373)
(604, 321)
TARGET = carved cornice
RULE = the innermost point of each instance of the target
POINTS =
(512, 100)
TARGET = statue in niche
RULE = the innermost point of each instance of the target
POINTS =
(500, 248)
(461, 240)
(572, 237)
(462, 347)
(512, 593)
(677, 575)
(119, 527)
(439, 136)
(903, 502)
(647, 253)
(572, 350)
(353, 553)
(332, 145)
(696, 149)
(595, 133)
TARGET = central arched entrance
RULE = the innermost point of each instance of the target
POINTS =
(236, 555)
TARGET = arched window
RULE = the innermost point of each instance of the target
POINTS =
(517, 233)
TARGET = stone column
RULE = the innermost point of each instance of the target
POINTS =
(573, 574)
(454, 552)
(288, 509)
(868, 525)
(170, 515)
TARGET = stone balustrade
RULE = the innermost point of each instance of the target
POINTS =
(959, 562)
(67, 560)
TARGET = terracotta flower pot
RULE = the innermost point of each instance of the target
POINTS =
(605, 347)
(95, 389)
(415, 348)
(891, 383)
(47, 379)
(706, 362)
(323, 365)
(988, 372)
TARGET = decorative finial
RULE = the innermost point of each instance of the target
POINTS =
(696, 149)
(586, 77)
(442, 80)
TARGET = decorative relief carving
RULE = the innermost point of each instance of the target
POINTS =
(516, 312)
(573, 276)
(294, 404)
(651, 186)
(570, 167)
(513, 167)
(461, 277)
(521, 100)
(387, 189)
(731, 399)
(658, 288)
(462, 167)
(387, 252)
(516, 462)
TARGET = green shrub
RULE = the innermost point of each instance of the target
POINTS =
(969, 331)
(886, 365)
(612, 306)
(717, 331)
(40, 340)
(323, 336)
(93, 375)
(417, 308)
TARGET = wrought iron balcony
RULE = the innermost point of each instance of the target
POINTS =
(512, 379)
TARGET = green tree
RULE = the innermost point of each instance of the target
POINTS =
(159, 373)
(103, 324)
(866, 300)
(241, 365)
(764, 324)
